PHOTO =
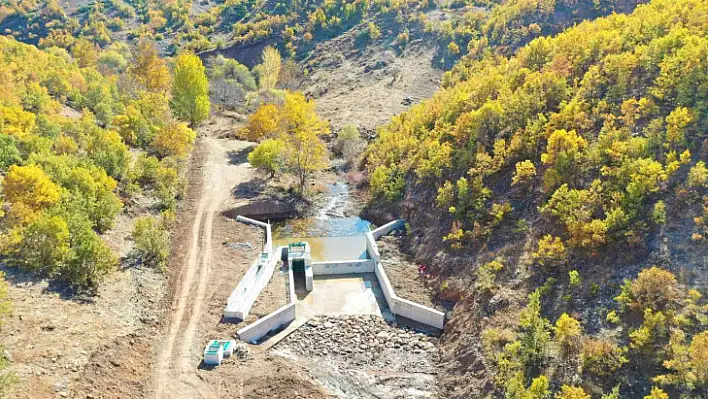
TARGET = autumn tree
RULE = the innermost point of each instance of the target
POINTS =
(42, 246)
(264, 123)
(175, 138)
(149, 70)
(551, 252)
(268, 156)
(570, 392)
(657, 393)
(269, 69)
(688, 362)
(654, 288)
(29, 190)
(525, 172)
(305, 151)
(190, 89)
(85, 53)
(567, 333)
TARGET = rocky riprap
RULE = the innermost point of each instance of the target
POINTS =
(358, 337)
(364, 357)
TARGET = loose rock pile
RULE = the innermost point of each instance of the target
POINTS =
(358, 336)
(362, 357)
(241, 351)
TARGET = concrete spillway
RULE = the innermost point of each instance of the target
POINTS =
(357, 300)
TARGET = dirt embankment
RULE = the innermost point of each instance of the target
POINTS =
(408, 280)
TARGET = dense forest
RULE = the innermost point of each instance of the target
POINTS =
(590, 143)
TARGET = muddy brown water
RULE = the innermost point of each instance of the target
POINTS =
(331, 235)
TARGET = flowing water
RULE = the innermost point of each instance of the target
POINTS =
(331, 234)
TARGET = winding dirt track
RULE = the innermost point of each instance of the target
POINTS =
(174, 376)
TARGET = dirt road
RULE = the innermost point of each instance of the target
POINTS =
(224, 168)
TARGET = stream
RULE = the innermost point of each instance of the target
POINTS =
(331, 234)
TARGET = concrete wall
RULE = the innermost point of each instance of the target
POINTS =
(385, 229)
(399, 306)
(386, 287)
(343, 267)
(239, 303)
(406, 308)
(419, 313)
(264, 325)
(291, 285)
(371, 248)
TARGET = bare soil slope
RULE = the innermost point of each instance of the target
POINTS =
(367, 86)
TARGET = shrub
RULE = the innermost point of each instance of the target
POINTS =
(654, 288)
(525, 172)
(373, 31)
(698, 176)
(689, 363)
(487, 273)
(387, 183)
(90, 261)
(268, 156)
(151, 241)
(574, 278)
(348, 143)
(569, 392)
(551, 252)
(657, 393)
(601, 357)
(567, 333)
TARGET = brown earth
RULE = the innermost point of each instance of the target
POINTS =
(403, 272)
(366, 87)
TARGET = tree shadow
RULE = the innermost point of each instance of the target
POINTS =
(18, 277)
(238, 157)
(250, 189)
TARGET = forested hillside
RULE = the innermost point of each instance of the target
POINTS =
(297, 26)
(555, 187)
(560, 171)
(83, 136)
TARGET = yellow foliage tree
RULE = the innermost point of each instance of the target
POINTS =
(551, 251)
(175, 138)
(14, 121)
(657, 393)
(149, 69)
(269, 69)
(264, 123)
(568, 332)
(569, 392)
(85, 53)
(525, 171)
(29, 190)
(190, 89)
(306, 153)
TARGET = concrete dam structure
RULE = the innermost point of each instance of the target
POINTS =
(323, 286)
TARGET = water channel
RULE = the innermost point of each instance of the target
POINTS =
(331, 234)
